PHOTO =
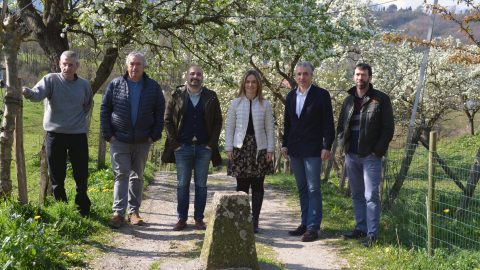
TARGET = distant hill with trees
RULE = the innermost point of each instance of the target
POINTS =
(415, 22)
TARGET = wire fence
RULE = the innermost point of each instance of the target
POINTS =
(455, 201)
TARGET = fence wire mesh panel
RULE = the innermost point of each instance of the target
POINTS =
(456, 200)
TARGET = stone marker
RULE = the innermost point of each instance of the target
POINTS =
(229, 241)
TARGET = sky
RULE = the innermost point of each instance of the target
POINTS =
(416, 3)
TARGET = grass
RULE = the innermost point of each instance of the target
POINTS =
(337, 212)
(267, 256)
(395, 248)
(55, 236)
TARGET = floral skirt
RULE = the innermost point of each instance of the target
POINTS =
(246, 163)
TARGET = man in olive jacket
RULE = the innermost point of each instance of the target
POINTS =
(193, 121)
(365, 129)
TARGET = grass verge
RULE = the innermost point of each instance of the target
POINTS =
(392, 250)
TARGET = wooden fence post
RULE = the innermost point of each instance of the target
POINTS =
(431, 189)
(45, 185)
(20, 155)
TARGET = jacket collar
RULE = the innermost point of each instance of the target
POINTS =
(243, 97)
(369, 93)
(125, 75)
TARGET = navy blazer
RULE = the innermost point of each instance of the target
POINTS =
(307, 135)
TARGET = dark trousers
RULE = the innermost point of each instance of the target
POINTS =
(58, 146)
(243, 184)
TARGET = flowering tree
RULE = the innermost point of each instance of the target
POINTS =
(272, 37)
(466, 24)
(12, 33)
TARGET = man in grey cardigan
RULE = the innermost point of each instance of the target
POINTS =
(67, 100)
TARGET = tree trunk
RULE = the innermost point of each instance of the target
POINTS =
(444, 166)
(343, 179)
(471, 123)
(331, 159)
(11, 37)
(20, 158)
(105, 68)
(410, 149)
(471, 185)
(286, 166)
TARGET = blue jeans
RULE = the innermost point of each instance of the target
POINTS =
(188, 158)
(364, 174)
(307, 175)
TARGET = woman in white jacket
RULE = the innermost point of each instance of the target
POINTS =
(249, 140)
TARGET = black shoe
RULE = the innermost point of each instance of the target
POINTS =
(370, 240)
(355, 234)
(298, 231)
(309, 236)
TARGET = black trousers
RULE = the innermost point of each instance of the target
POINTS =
(58, 146)
(243, 184)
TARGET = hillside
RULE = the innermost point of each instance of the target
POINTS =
(416, 23)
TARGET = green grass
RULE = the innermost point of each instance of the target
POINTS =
(395, 249)
(55, 236)
(267, 256)
(337, 212)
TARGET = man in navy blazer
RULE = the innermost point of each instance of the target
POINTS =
(307, 139)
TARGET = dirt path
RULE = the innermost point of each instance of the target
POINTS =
(140, 247)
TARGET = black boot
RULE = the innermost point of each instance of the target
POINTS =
(255, 224)
(257, 200)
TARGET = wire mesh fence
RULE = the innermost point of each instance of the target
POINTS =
(455, 201)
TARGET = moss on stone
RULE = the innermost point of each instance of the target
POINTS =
(229, 239)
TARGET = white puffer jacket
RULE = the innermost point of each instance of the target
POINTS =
(237, 124)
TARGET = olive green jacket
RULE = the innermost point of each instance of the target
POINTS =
(174, 112)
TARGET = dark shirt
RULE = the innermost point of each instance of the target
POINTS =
(250, 129)
(355, 126)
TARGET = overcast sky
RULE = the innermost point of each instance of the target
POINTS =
(416, 3)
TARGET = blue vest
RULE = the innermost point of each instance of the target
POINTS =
(194, 124)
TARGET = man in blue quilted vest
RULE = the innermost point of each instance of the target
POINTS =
(131, 119)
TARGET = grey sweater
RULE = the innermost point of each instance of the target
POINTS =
(66, 103)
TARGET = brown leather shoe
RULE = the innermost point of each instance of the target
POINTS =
(116, 221)
(180, 226)
(200, 225)
(309, 236)
(135, 219)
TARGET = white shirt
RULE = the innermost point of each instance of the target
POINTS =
(301, 100)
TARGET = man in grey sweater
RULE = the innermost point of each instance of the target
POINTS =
(67, 100)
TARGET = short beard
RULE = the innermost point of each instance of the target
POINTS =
(363, 86)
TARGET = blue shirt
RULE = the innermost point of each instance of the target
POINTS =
(135, 89)
(194, 98)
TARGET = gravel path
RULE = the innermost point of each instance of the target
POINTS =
(139, 247)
